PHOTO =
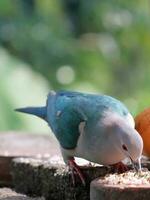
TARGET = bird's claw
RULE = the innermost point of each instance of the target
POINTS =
(75, 168)
(120, 167)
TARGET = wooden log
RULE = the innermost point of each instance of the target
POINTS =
(52, 179)
(110, 192)
(127, 186)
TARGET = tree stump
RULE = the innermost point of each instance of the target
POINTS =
(127, 186)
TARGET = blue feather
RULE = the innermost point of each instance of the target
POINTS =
(37, 111)
(65, 110)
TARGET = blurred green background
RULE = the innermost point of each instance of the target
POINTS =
(91, 46)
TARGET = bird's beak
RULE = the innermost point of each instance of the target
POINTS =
(136, 164)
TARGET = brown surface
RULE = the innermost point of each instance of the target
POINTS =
(23, 145)
(9, 194)
(101, 191)
(5, 177)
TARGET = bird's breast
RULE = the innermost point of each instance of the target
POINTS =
(94, 146)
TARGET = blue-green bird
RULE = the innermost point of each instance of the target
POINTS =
(98, 128)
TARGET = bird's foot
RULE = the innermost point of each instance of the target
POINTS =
(120, 167)
(75, 169)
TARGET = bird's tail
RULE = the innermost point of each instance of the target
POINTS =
(37, 111)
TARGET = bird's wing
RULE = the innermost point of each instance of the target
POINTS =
(64, 116)
(66, 110)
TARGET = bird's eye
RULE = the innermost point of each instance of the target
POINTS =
(124, 147)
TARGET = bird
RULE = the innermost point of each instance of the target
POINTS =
(96, 127)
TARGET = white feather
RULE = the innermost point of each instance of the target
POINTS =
(130, 120)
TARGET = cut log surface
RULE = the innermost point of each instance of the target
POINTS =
(127, 186)
(111, 192)
(9, 194)
(52, 179)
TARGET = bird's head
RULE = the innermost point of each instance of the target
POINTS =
(124, 141)
(129, 143)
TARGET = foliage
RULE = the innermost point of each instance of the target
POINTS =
(97, 46)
